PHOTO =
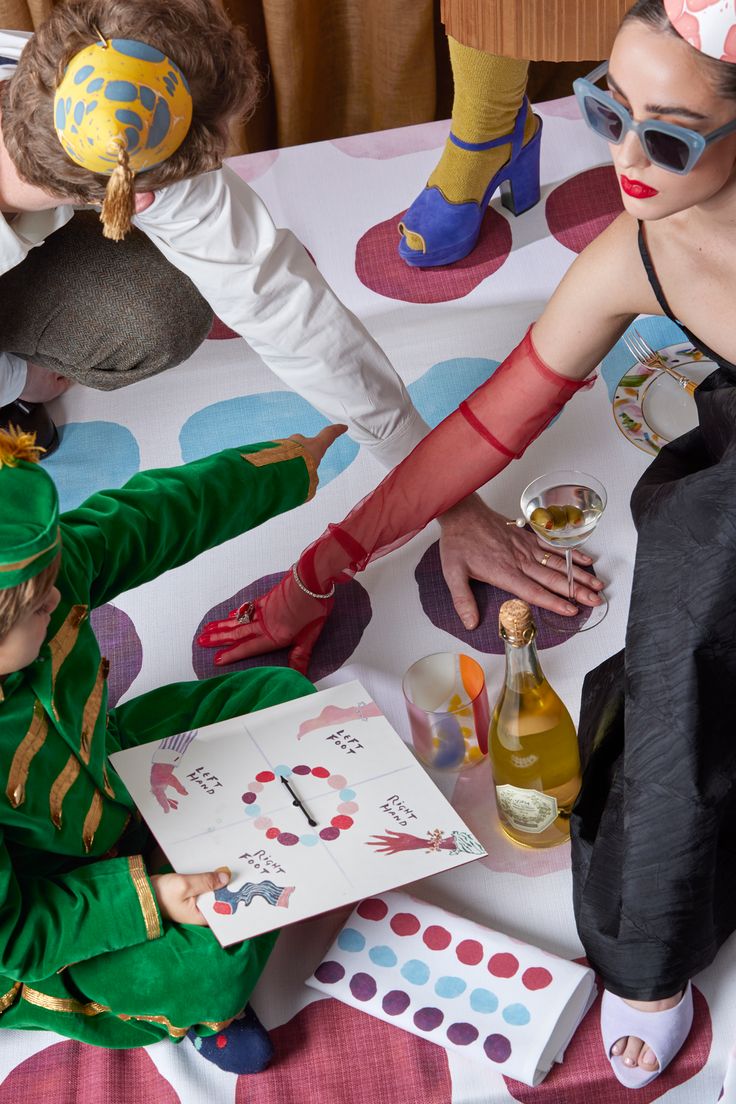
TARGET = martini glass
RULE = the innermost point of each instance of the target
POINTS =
(564, 508)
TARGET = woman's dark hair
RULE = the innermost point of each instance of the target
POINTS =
(653, 14)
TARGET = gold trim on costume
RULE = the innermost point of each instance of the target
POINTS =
(63, 783)
(9, 998)
(31, 743)
(19, 564)
(63, 641)
(145, 897)
(285, 450)
(92, 821)
(108, 788)
(92, 712)
(62, 1004)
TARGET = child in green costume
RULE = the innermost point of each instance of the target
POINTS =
(93, 945)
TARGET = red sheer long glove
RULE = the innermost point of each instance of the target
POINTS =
(488, 430)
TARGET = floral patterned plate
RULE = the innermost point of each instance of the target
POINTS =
(650, 408)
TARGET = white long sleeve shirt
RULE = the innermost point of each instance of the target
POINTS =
(260, 282)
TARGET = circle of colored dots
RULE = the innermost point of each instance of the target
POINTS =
(265, 776)
(282, 771)
(363, 987)
(395, 1002)
(273, 833)
(342, 822)
(329, 834)
(436, 937)
(252, 810)
(462, 1034)
(536, 977)
(309, 839)
(346, 795)
(503, 965)
(248, 797)
(450, 987)
(382, 956)
(329, 972)
(347, 807)
(373, 908)
(405, 923)
(517, 1014)
(256, 787)
(483, 1000)
(302, 769)
(415, 971)
(469, 952)
(263, 823)
(288, 839)
(497, 1048)
(427, 1019)
(350, 940)
(337, 782)
(320, 772)
(221, 1041)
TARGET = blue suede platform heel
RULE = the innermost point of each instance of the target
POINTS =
(446, 232)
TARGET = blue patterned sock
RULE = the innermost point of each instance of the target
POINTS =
(243, 1047)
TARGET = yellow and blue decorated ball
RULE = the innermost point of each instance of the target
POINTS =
(123, 92)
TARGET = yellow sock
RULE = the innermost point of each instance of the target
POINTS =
(489, 91)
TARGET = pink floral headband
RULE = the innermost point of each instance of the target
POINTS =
(708, 25)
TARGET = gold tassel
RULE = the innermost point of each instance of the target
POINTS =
(119, 202)
(16, 445)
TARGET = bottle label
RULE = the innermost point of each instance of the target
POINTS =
(527, 810)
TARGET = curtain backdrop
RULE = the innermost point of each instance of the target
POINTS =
(338, 67)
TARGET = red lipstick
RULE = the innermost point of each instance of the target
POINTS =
(636, 189)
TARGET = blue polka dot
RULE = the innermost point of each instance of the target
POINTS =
(517, 1014)
(78, 112)
(252, 810)
(121, 90)
(132, 118)
(309, 840)
(132, 48)
(262, 417)
(147, 96)
(450, 987)
(350, 940)
(282, 771)
(440, 390)
(60, 115)
(96, 84)
(657, 331)
(483, 1000)
(83, 73)
(347, 795)
(382, 956)
(160, 124)
(415, 971)
(91, 106)
(116, 459)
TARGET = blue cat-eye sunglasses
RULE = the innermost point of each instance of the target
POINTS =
(674, 148)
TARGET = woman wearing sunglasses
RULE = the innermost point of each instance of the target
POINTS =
(654, 831)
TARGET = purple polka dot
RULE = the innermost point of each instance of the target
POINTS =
(363, 987)
(395, 1002)
(427, 1019)
(248, 797)
(329, 833)
(288, 839)
(497, 1048)
(462, 1034)
(302, 769)
(329, 972)
(116, 634)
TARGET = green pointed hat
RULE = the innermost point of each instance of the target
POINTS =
(29, 510)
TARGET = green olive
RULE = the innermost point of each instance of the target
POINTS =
(541, 518)
(574, 515)
(558, 515)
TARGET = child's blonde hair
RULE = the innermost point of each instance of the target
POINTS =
(17, 601)
(215, 57)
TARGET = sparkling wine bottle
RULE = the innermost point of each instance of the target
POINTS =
(533, 744)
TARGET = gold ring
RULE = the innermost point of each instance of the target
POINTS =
(544, 558)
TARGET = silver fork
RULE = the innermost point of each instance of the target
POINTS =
(645, 354)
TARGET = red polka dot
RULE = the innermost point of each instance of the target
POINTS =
(469, 952)
(373, 908)
(265, 776)
(223, 908)
(536, 977)
(221, 1041)
(320, 772)
(220, 332)
(582, 207)
(273, 833)
(405, 923)
(437, 938)
(342, 822)
(503, 965)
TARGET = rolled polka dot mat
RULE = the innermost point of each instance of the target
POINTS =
(460, 985)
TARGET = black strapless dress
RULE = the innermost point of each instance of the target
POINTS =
(654, 828)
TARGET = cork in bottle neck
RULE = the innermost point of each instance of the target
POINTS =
(515, 623)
